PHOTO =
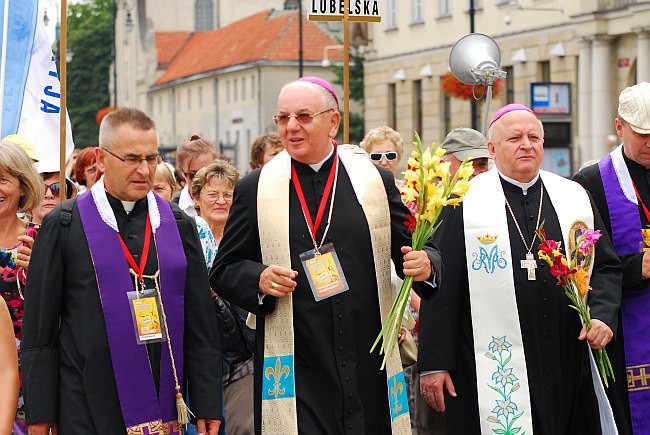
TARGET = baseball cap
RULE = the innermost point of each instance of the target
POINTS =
(24, 143)
(466, 144)
(634, 107)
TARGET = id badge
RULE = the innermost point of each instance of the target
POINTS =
(145, 312)
(324, 272)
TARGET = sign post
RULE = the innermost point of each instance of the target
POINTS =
(345, 11)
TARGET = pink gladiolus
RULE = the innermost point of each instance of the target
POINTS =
(588, 240)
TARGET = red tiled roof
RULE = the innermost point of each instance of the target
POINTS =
(168, 44)
(258, 37)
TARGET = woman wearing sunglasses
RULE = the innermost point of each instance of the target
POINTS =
(52, 197)
(385, 147)
(21, 189)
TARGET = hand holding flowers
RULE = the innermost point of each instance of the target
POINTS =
(573, 276)
(428, 189)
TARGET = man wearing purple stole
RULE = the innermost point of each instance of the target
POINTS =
(620, 186)
(118, 313)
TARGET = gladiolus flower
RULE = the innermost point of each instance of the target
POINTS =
(588, 240)
(549, 246)
(410, 223)
(582, 280)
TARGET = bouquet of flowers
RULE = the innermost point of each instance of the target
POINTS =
(573, 276)
(428, 189)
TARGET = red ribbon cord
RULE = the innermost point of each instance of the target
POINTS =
(323, 202)
(145, 252)
(645, 209)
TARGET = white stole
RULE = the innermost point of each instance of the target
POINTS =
(278, 380)
(502, 378)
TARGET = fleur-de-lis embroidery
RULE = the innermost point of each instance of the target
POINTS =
(397, 389)
(277, 373)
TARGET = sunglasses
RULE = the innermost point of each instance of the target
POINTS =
(55, 188)
(390, 156)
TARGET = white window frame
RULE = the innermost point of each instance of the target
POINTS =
(417, 11)
(391, 14)
(445, 8)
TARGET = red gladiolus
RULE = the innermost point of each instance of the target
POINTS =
(548, 247)
(410, 223)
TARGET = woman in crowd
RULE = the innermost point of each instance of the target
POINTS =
(264, 148)
(86, 170)
(52, 195)
(164, 183)
(191, 156)
(385, 147)
(21, 188)
(212, 191)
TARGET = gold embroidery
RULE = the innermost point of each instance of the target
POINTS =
(397, 389)
(277, 377)
(638, 377)
(156, 428)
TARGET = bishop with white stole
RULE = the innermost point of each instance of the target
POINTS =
(307, 248)
(501, 348)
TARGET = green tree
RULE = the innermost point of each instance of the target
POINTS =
(357, 123)
(90, 38)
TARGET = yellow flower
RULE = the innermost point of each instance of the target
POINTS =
(454, 201)
(646, 236)
(409, 194)
(412, 162)
(466, 171)
(440, 151)
(461, 187)
(545, 257)
(582, 279)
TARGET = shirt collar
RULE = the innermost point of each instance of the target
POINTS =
(316, 166)
(523, 186)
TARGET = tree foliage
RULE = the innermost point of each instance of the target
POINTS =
(90, 38)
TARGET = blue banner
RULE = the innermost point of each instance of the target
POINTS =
(20, 40)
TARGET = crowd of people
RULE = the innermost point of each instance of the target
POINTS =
(194, 300)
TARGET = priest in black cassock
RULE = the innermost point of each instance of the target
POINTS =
(620, 186)
(118, 317)
(500, 349)
(315, 196)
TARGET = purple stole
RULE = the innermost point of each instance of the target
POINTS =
(627, 239)
(144, 412)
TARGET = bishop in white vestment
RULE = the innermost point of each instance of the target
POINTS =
(500, 349)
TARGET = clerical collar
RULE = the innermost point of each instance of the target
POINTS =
(128, 206)
(523, 186)
(316, 166)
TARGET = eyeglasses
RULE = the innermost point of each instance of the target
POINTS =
(390, 156)
(133, 161)
(213, 196)
(55, 188)
(282, 119)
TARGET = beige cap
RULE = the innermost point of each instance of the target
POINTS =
(24, 143)
(466, 144)
(634, 107)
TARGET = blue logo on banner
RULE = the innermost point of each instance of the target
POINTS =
(278, 381)
(397, 399)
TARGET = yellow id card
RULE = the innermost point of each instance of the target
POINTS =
(145, 311)
(324, 272)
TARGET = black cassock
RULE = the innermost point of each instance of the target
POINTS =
(66, 363)
(591, 180)
(561, 391)
(339, 385)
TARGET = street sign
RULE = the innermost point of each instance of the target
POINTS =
(333, 10)
(551, 98)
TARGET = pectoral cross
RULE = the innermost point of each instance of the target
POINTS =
(530, 264)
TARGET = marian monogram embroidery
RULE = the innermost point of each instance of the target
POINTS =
(504, 382)
(278, 381)
(488, 256)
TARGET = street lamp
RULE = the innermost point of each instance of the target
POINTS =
(514, 4)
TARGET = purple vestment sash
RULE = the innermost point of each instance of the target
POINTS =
(141, 407)
(627, 239)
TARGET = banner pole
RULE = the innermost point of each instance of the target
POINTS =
(346, 72)
(63, 43)
(3, 66)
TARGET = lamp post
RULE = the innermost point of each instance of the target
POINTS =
(474, 103)
(300, 60)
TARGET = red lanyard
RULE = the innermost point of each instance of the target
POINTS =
(645, 209)
(313, 226)
(145, 252)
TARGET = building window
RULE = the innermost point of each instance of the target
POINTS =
(417, 13)
(160, 105)
(417, 106)
(510, 84)
(243, 88)
(203, 15)
(444, 8)
(171, 101)
(253, 86)
(235, 90)
(392, 106)
(248, 137)
(478, 5)
(189, 99)
(200, 97)
(446, 113)
(227, 91)
(228, 138)
(544, 71)
(391, 14)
